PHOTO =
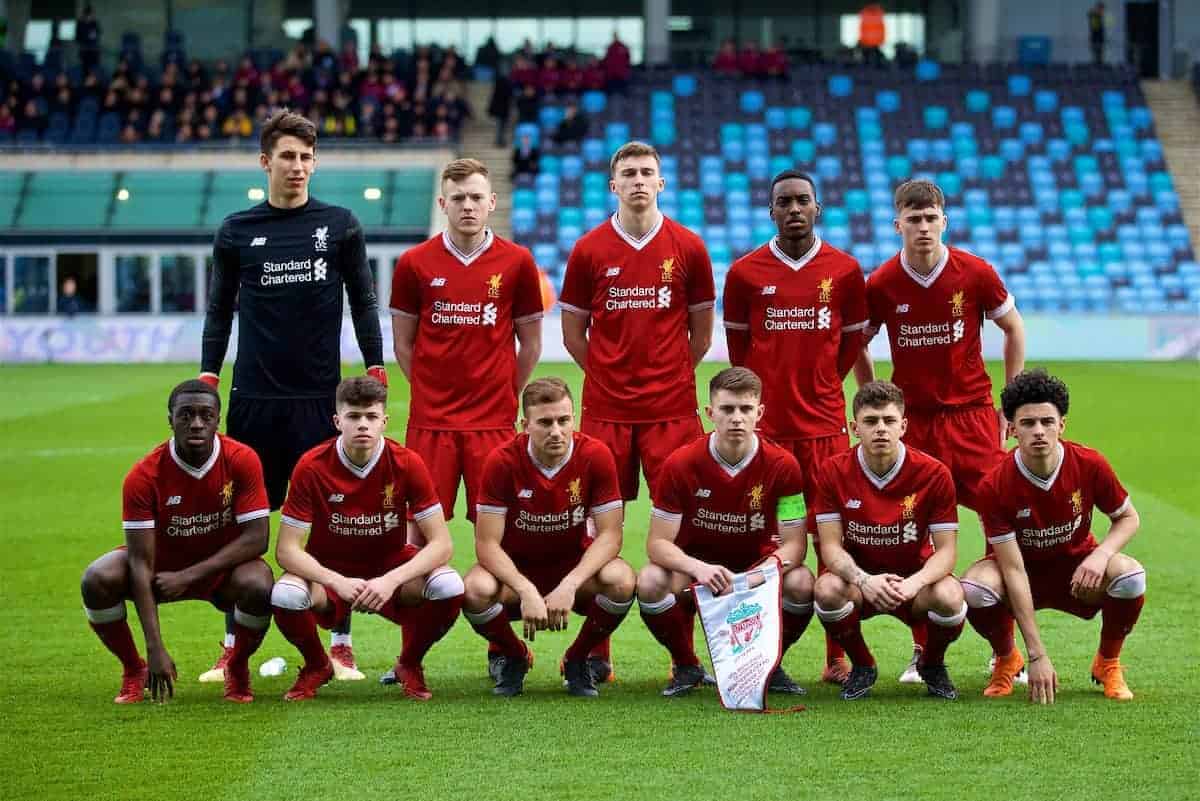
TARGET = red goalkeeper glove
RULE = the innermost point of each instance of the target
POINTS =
(212, 379)
(379, 374)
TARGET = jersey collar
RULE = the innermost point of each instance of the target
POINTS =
(550, 472)
(467, 258)
(365, 470)
(202, 471)
(732, 469)
(794, 264)
(926, 280)
(881, 481)
(1041, 483)
(633, 242)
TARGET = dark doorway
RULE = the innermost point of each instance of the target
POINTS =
(1141, 38)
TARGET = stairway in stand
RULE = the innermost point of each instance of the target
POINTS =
(1176, 112)
(478, 141)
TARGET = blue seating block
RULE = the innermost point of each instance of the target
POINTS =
(840, 85)
(752, 101)
(887, 100)
(936, 117)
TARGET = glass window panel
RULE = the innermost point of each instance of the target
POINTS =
(78, 277)
(178, 283)
(3, 284)
(133, 283)
(394, 34)
(511, 33)
(66, 30)
(594, 34)
(631, 30)
(442, 32)
(31, 285)
(558, 32)
(37, 36)
(907, 28)
(362, 36)
(294, 28)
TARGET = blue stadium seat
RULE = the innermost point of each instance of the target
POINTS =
(752, 101)
(978, 101)
(524, 221)
(593, 152)
(841, 85)
(825, 134)
(684, 85)
(1045, 101)
(799, 117)
(776, 118)
(928, 70)
(1140, 118)
(887, 100)
(594, 102)
(1019, 85)
(935, 117)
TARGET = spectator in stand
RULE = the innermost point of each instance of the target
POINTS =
(573, 127)
(750, 63)
(618, 67)
(550, 77)
(458, 110)
(488, 57)
(348, 61)
(775, 61)
(130, 135)
(246, 71)
(156, 130)
(8, 123)
(525, 157)
(524, 72)
(453, 65)
(237, 126)
(725, 64)
(32, 118)
(87, 39)
(529, 105)
(69, 302)
(196, 76)
(500, 106)
(1096, 32)
(593, 75)
(572, 77)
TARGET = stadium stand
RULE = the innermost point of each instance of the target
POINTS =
(1054, 174)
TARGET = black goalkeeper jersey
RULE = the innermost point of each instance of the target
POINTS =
(286, 269)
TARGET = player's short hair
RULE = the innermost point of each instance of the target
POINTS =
(787, 175)
(738, 380)
(361, 390)
(285, 122)
(630, 150)
(878, 394)
(462, 169)
(917, 193)
(192, 386)
(544, 390)
(1034, 386)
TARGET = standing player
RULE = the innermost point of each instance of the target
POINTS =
(888, 527)
(285, 263)
(457, 301)
(1037, 514)
(352, 495)
(933, 299)
(536, 560)
(638, 299)
(195, 516)
(795, 310)
(720, 505)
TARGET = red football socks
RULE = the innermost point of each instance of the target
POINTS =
(118, 639)
(300, 629)
(847, 633)
(995, 624)
(1118, 616)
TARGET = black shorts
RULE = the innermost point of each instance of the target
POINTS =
(280, 430)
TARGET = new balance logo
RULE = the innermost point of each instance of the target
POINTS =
(854, 503)
(525, 493)
(258, 241)
(769, 289)
(174, 500)
(612, 272)
(902, 308)
(703, 493)
(438, 282)
(337, 497)
(1024, 513)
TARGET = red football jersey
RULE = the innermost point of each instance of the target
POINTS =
(358, 514)
(193, 512)
(934, 325)
(545, 511)
(467, 304)
(728, 514)
(887, 521)
(638, 293)
(795, 313)
(1050, 518)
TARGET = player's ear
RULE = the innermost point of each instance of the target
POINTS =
(903, 426)
(708, 410)
(492, 203)
(854, 428)
(442, 202)
(264, 161)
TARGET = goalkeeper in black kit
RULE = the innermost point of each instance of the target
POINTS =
(284, 263)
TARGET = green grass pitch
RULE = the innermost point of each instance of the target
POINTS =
(70, 433)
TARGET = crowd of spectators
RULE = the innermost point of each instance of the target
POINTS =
(421, 98)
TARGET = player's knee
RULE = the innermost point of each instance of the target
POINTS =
(291, 595)
(443, 584)
(1129, 581)
(947, 596)
(653, 583)
(830, 591)
(798, 585)
(104, 579)
(979, 593)
(481, 589)
(254, 579)
(618, 580)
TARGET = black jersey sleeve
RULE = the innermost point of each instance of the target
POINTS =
(360, 288)
(222, 294)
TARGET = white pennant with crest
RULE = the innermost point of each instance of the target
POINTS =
(744, 631)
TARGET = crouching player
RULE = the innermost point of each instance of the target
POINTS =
(1037, 515)
(719, 506)
(352, 495)
(195, 515)
(536, 559)
(888, 526)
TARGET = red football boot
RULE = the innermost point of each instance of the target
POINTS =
(309, 681)
(133, 686)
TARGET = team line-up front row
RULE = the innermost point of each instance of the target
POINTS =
(882, 514)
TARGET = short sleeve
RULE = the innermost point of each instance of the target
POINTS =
(825, 503)
(789, 483)
(943, 506)
(527, 304)
(138, 500)
(672, 492)
(606, 490)
(406, 293)
(1111, 497)
(701, 289)
(495, 488)
(576, 293)
(300, 503)
(994, 297)
(422, 499)
(250, 493)
(876, 305)
(997, 527)
(735, 302)
(854, 300)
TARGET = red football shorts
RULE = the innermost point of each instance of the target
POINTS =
(454, 455)
(545, 577)
(646, 443)
(810, 453)
(904, 613)
(339, 608)
(204, 589)
(1050, 584)
(965, 439)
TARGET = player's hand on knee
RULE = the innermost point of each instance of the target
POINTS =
(348, 589)
(558, 606)
(161, 674)
(881, 592)
(1043, 681)
(908, 588)
(534, 614)
(170, 585)
(1089, 574)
